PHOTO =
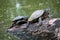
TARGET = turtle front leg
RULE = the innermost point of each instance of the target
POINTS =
(27, 24)
(12, 25)
(39, 22)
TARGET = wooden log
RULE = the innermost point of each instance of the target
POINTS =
(52, 34)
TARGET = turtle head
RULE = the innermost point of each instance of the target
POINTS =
(45, 15)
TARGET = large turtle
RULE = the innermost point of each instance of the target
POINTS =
(39, 15)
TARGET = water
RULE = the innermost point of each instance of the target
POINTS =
(9, 9)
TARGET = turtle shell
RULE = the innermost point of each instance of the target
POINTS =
(36, 14)
(19, 18)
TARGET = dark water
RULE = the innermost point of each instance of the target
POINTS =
(12, 8)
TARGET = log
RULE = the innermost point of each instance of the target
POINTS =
(52, 32)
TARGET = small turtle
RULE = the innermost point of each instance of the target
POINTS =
(38, 14)
(19, 19)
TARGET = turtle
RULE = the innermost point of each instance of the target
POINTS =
(19, 19)
(38, 14)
